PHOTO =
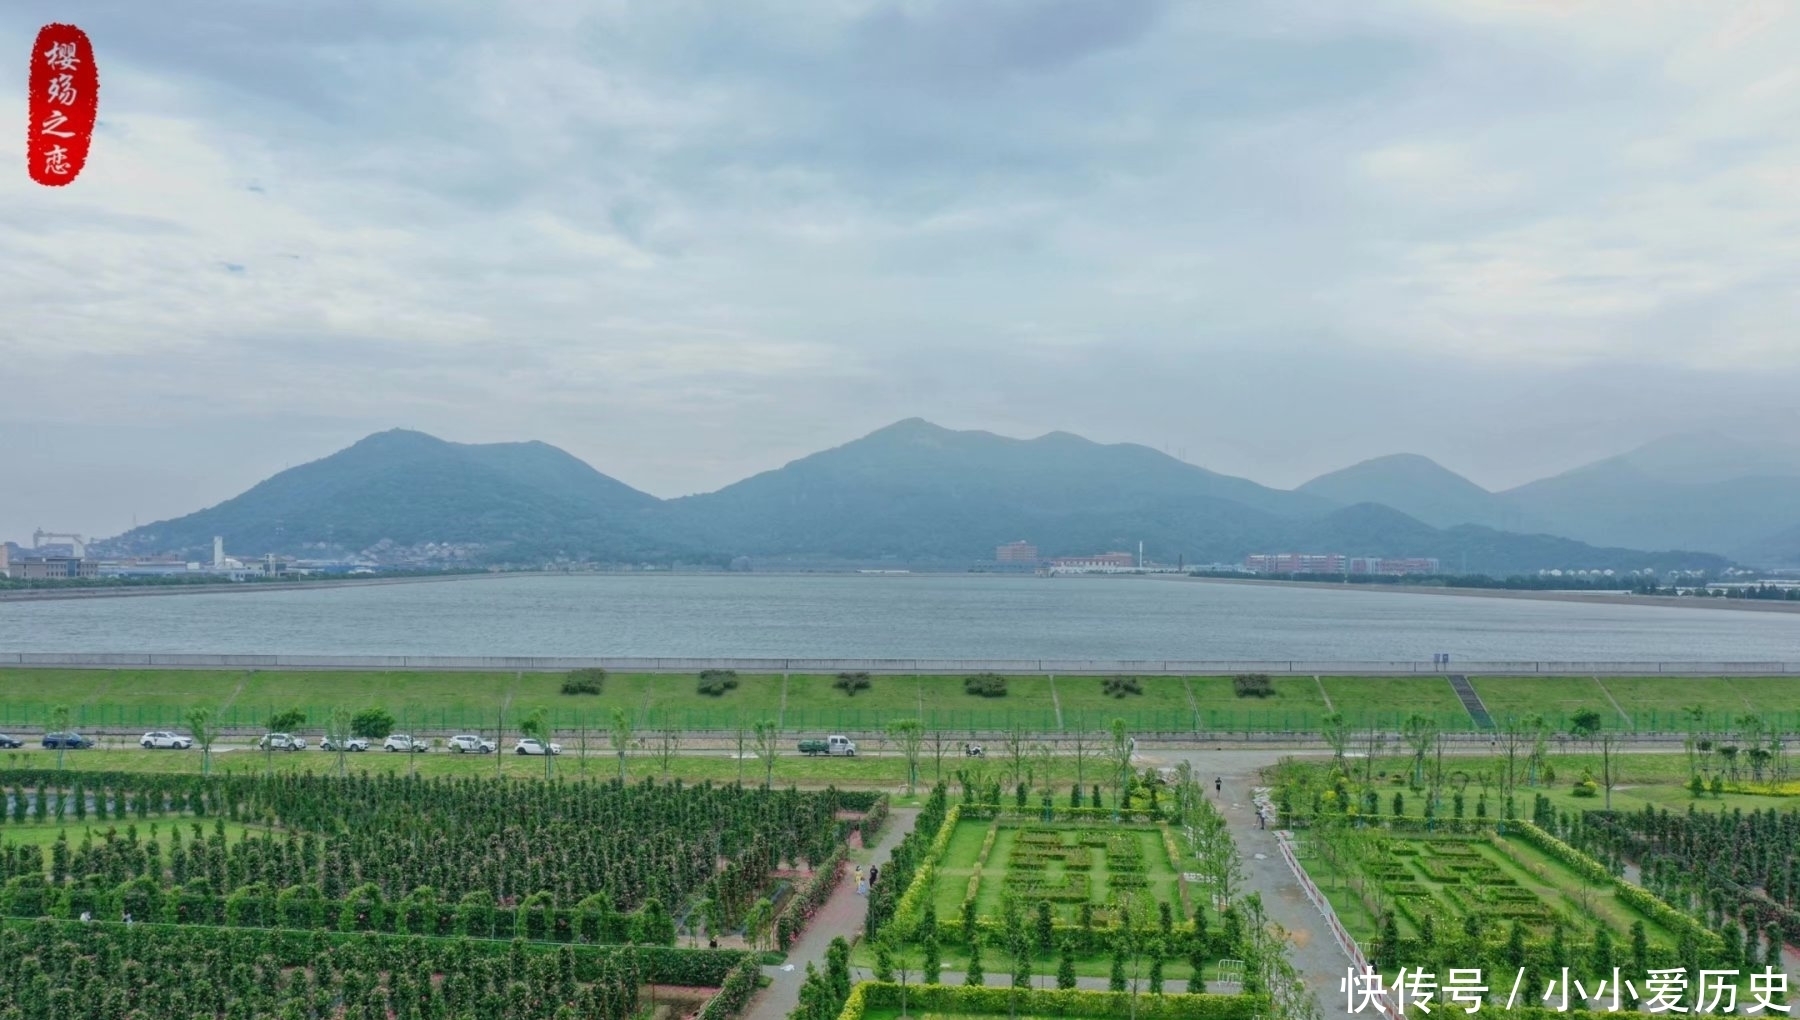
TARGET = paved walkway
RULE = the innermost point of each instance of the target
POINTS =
(842, 914)
(1315, 954)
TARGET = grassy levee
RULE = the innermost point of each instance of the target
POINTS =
(124, 701)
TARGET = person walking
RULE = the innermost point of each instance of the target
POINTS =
(1219, 785)
(862, 886)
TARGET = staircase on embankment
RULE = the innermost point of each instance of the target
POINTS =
(1471, 701)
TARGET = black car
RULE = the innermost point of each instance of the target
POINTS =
(72, 741)
(9, 741)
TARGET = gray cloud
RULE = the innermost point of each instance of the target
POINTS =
(690, 240)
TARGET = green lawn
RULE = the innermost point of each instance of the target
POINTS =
(1649, 704)
(1085, 703)
(127, 701)
(45, 833)
(1296, 705)
(1385, 701)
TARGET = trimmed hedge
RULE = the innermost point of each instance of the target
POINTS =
(1051, 1002)
(734, 992)
(874, 817)
(807, 898)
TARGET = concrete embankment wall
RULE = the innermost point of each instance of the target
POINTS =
(1068, 667)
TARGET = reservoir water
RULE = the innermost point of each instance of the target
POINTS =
(913, 616)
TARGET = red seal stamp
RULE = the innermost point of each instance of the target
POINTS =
(65, 98)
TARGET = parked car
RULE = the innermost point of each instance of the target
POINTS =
(8, 741)
(282, 742)
(165, 739)
(469, 743)
(835, 744)
(531, 745)
(72, 741)
(350, 744)
(402, 742)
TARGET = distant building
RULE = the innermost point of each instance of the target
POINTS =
(1391, 566)
(51, 568)
(1016, 552)
(1114, 560)
(1296, 563)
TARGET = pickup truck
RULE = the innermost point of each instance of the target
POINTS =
(835, 745)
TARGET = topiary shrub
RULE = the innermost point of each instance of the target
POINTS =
(1120, 686)
(583, 681)
(715, 682)
(1253, 685)
(850, 683)
(986, 685)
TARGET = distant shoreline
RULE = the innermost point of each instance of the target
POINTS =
(233, 587)
(1600, 598)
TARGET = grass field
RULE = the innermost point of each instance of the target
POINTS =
(123, 701)
(45, 833)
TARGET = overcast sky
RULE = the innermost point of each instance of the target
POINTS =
(690, 241)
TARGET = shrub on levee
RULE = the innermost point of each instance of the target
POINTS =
(850, 683)
(986, 685)
(1253, 685)
(583, 681)
(715, 682)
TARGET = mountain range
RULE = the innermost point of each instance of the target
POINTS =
(915, 492)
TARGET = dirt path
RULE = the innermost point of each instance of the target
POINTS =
(842, 914)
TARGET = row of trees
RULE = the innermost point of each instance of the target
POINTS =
(508, 839)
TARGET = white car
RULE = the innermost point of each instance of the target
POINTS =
(351, 744)
(165, 739)
(402, 742)
(469, 743)
(531, 745)
(282, 742)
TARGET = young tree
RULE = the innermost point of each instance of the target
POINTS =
(1419, 732)
(1585, 725)
(620, 735)
(668, 744)
(1015, 750)
(338, 729)
(1065, 970)
(537, 727)
(200, 723)
(756, 922)
(372, 724)
(284, 721)
(1337, 734)
(910, 735)
(939, 741)
(768, 737)
(59, 718)
(740, 727)
(1609, 775)
(1121, 760)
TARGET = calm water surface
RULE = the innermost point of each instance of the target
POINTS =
(919, 616)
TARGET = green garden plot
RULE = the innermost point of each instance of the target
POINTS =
(1067, 864)
(1451, 877)
(1387, 701)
